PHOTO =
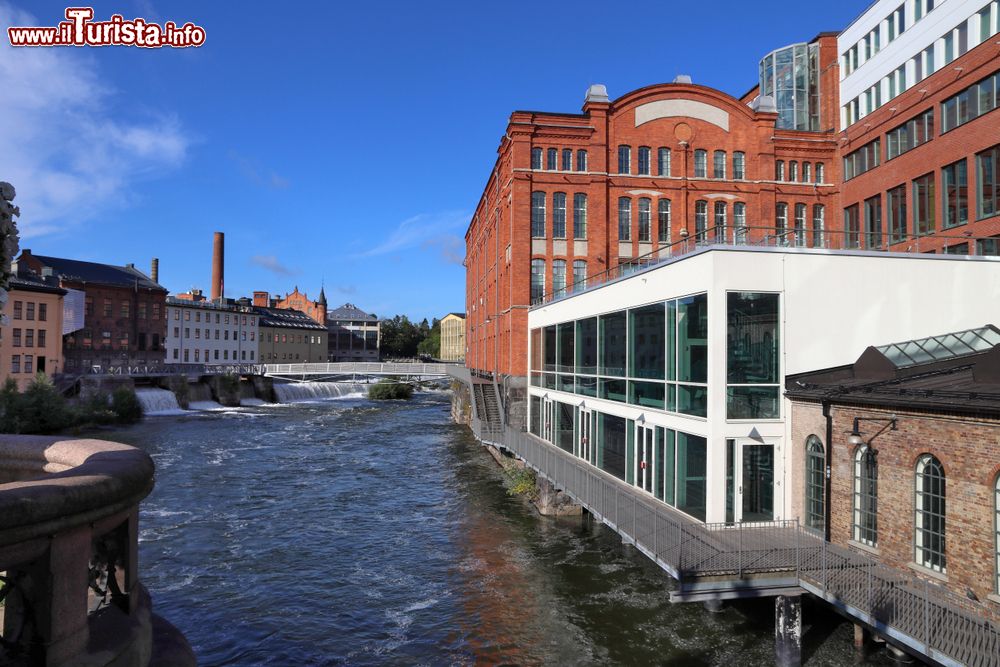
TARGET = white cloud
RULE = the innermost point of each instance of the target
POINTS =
(271, 263)
(425, 230)
(68, 156)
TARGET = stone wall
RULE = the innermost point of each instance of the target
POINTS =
(461, 403)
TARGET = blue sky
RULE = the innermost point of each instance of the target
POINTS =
(338, 142)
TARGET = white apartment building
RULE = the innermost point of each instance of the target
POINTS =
(895, 44)
(205, 332)
(672, 378)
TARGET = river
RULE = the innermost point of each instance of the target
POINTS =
(348, 532)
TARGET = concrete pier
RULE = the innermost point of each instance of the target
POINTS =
(788, 631)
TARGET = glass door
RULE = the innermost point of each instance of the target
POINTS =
(644, 457)
(585, 420)
(755, 491)
(548, 420)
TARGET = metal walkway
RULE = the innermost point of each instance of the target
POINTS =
(720, 560)
(329, 371)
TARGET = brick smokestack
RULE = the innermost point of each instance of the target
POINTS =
(218, 264)
(154, 271)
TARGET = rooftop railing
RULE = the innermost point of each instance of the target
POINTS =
(770, 237)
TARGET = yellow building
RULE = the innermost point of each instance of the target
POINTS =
(453, 337)
(32, 343)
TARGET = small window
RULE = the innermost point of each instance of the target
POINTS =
(644, 160)
(739, 165)
(719, 164)
(779, 170)
(819, 173)
(701, 163)
(567, 159)
(581, 160)
(663, 162)
(551, 155)
(793, 171)
(536, 158)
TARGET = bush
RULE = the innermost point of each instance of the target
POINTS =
(40, 409)
(95, 409)
(523, 482)
(383, 391)
(126, 406)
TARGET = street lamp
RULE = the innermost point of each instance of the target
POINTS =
(855, 437)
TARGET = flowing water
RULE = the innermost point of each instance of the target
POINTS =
(348, 532)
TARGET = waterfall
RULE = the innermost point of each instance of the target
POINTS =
(157, 401)
(315, 391)
(205, 405)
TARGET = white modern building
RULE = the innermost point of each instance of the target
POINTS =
(207, 332)
(895, 44)
(671, 378)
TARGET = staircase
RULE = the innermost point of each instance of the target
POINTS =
(487, 404)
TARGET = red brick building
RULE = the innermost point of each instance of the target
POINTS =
(911, 441)
(124, 318)
(575, 195)
(295, 300)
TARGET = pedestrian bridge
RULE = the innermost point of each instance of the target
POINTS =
(334, 371)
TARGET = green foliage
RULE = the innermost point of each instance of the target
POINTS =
(9, 399)
(39, 409)
(523, 482)
(431, 346)
(126, 406)
(95, 409)
(401, 338)
(383, 391)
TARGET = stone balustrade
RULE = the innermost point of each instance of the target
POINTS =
(70, 590)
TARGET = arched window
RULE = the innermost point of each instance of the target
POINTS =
(580, 216)
(567, 159)
(781, 223)
(719, 164)
(819, 231)
(624, 218)
(700, 220)
(538, 215)
(930, 515)
(644, 160)
(815, 514)
(800, 225)
(779, 170)
(739, 165)
(700, 163)
(720, 222)
(624, 159)
(806, 172)
(793, 171)
(996, 528)
(581, 160)
(819, 172)
(644, 221)
(663, 162)
(551, 157)
(537, 279)
(865, 519)
(664, 221)
(559, 215)
(559, 277)
(740, 222)
(536, 158)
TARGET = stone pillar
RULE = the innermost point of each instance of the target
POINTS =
(63, 616)
(553, 502)
(788, 631)
(860, 637)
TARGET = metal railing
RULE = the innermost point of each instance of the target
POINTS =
(359, 368)
(772, 237)
(924, 616)
(177, 369)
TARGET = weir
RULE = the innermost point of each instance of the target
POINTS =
(719, 561)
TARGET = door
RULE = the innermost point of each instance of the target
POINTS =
(585, 419)
(548, 420)
(755, 489)
(644, 457)
(40, 366)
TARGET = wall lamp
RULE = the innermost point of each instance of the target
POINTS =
(855, 436)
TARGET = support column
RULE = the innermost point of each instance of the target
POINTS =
(713, 606)
(788, 631)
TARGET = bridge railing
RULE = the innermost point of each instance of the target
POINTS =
(358, 368)
(912, 610)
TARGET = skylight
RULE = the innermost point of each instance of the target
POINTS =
(938, 348)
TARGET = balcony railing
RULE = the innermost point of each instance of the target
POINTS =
(791, 237)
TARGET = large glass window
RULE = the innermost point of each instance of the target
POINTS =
(819, 226)
(739, 165)
(537, 279)
(644, 160)
(996, 528)
(549, 348)
(559, 277)
(753, 356)
(720, 221)
(719, 164)
(579, 274)
(538, 215)
(929, 536)
(896, 200)
(565, 334)
(535, 423)
(586, 346)
(923, 205)
(954, 181)
(559, 215)
(692, 355)
(624, 159)
(611, 451)
(799, 235)
(910, 134)
(564, 426)
(647, 326)
(612, 344)
(976, 100)
(700, 163)
(692, 464)
(988, 183)
(663, 221)
(861, 160)
(815, 509)
(865, 515)
(580, 216)
(852, 227)
(873, 222)
(700, 220)
(624, 218)
(644, 219)
(663, 162)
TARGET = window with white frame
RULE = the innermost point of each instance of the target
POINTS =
(779, 170)
(624, 159)
(740, 222)
(645, 206)
(538, 215)
(567, 159)
(580, 216)
(537, 279)
(559, 215)
(663, 221)
(536, 158)
(781, 222)
(663, 162)
(644, 160)
(720, 221)
(929, 529)
(719, 164)
(865, 515)
(701, 163)
(624, 218)
(700, 220)
(739, 165)
(581, 160)
(551, 157)
(559, 276)
(800, 225)
(819, 225)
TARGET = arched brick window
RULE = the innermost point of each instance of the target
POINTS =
(929, 533)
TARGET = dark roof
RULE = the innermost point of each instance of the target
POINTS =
(967, 383)
(35, 284)
(349, 312)
(462, 315)
(73, 270)
(288, 318)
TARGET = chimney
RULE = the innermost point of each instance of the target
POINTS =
(154, 272)
(218, 264)
(261, 299)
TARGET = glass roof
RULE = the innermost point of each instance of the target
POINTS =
(937, 348)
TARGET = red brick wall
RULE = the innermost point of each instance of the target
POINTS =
(969, 451)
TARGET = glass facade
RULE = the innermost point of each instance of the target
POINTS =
(753, 389)
(791, 76)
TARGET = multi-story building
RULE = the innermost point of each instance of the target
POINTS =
(289, 336)
(32, 343)
(124, 313)
(671, 378)
(354, 335)
(572, 196)
(211, 332)
(300, 301)
(919, 130)
(452, 337)
(909, 432)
